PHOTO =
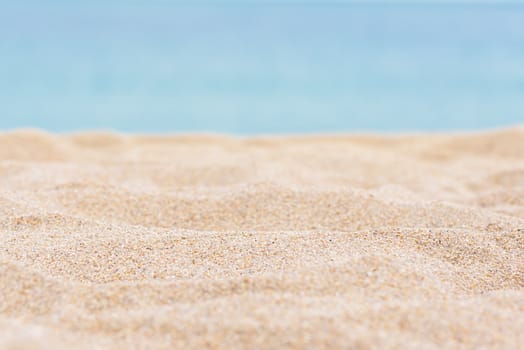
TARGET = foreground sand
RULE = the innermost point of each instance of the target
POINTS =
(111, 241)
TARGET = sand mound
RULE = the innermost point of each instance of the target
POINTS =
(119, 241)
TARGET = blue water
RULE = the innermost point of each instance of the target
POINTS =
(159, 66)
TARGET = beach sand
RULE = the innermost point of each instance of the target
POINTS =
(317, 242)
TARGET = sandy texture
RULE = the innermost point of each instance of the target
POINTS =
(319, 242)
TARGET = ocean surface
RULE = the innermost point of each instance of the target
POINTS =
(251, 68)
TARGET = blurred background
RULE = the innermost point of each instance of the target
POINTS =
(255, 66)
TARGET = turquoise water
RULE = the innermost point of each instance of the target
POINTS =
(157, 66)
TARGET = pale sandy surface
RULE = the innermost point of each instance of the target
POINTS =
(111, 241)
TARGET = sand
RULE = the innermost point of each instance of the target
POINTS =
(112, 241)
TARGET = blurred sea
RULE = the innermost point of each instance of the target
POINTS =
(158, 66)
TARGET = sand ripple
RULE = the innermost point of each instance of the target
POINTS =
(117, 241)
